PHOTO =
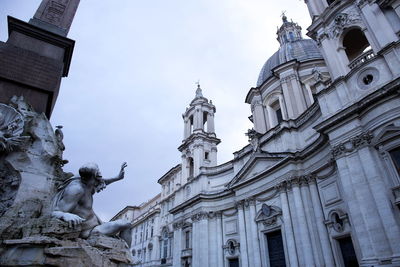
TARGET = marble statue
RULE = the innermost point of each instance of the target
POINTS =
(74, 200)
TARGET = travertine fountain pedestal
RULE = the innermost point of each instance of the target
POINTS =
(30, 171)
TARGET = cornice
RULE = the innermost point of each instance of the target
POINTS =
(386, 91)
(210, 137)
(200, 197)
(169, 173)
(46, 36)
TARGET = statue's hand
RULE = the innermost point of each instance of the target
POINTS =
(122, 171)
(72, 219)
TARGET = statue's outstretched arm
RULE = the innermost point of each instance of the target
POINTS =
(119, 177)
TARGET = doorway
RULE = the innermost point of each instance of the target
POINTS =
(348, 253)
(233, 262)
(276, 252)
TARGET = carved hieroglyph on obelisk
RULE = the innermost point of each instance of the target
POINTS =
(55, 15)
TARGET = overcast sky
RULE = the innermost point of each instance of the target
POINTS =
(133, 73)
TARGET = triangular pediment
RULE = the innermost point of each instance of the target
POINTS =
(257, 164)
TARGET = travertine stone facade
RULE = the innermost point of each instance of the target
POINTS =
(319, 183)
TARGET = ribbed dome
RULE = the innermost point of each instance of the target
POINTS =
(302, 50)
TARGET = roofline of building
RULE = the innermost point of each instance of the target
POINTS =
(168, 173)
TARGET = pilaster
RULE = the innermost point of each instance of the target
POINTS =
(242, 235)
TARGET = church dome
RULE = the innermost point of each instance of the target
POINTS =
(293, 46)
(301, 50)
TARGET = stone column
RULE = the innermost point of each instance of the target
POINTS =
(282, 104)
(195, 243)
(196, 118)
(197, 158)
(377, 21)
(287, 223)
(287, 97)
(298, 94)
(254, 235)
(186, 128)
(260, 124)
(220, 236)
(242, 236)
(177, 245)
(249, 236)
(379, 192)
(358, 226)
(304, 233)
(322, 231)
(367, 206)
(210, 123)
(308, 209)
(203, 240)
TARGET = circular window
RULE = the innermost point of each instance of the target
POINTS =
(367, 78)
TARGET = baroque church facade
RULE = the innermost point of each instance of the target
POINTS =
(319, 182)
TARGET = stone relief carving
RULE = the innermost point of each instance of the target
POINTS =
(337, 220)
(268, 215)
(11, 129)
(231, 247)
(254, 139)
(342, 21)
(352, 144)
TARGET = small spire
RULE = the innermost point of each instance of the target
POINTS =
(199, 92)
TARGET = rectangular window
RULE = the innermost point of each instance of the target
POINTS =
(187, 239)
(279, 117)
(206, 155)
(165, 248)
(395, 154)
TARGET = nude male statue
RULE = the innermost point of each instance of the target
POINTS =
(74, 200)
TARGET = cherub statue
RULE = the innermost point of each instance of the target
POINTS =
(73, 203)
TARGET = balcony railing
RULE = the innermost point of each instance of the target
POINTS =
(361, 59)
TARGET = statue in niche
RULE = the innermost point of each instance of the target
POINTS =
(74, 200)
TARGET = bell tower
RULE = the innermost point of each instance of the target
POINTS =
(199, 145)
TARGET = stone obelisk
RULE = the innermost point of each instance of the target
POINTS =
(37, 55)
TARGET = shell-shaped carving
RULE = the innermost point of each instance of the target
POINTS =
(11, 128)
(11, 122)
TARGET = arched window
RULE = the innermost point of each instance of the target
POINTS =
(205, 113)
(355, 43)
(191, 124)
(164, 244)
(291, 36)
(278, 111)
(191, 167)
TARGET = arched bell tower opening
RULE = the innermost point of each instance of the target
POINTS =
(355, 43)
